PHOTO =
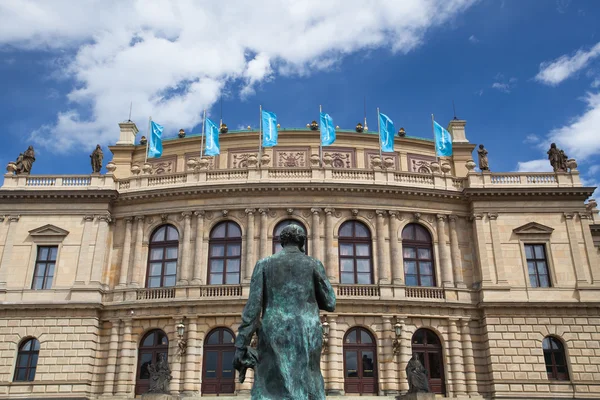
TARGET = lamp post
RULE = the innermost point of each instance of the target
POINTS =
(325, 326)
(396, 343)
(181, 342)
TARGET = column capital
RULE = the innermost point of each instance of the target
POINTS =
(452, 217)
(464, 322)
(315, 210)
(250, 211)
(128, 220)
(329, 210)
(186, 214)
(199, 214)
(140, 218)
(493, 216)
(569, 215)
(88, 217)
(104, 218)
(14, 218)
(380, 213)
(394, 213)
(387, 319)
(263, 211)
(477, 216)
(452, 321)
(441, 217)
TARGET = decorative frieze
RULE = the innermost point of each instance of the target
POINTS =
(294, 157)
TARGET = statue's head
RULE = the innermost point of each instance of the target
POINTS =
(553, 145)
(293, 235)
(97, 146)
(481, 146)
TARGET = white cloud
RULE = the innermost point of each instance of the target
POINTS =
(503, 87)
(473, 39)
(596, 83)
(534, 166)
(554, 72)
(173, 59)
(531, 139)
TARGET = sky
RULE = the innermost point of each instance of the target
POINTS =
(523, 74)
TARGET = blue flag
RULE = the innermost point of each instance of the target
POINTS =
(269, 129)
(443, 140)
(155, 147)
(211, 131)
(327, 130)
(386, 133)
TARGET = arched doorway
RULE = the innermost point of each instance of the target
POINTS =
(218, 375)
(153, 344)
(428, 347)
(360, 362)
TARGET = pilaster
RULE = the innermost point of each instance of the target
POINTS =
(184, 275)
(190, 383)
(126, 253)
(315, 233)
(8, 248)
(331, 264)
(382, 254)
(334, 359)
(264, 232)
(455, 253)
(482, 258)
(443, 247)
(99, 259)
(497, 249)
(389, 382)
(111, 362)
(405, 355)
(199, 267)
(125, 361)
(575, 253)
(456, 359)
(396, 261)
(590, 250)
(84, 262)
(468, 360)
(136, 276)
(249, 244)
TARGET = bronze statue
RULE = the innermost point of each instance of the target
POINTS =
(160, 375)
(25, 161)
(483, 158)
(286, 292)
(416, 375)
(97, 157)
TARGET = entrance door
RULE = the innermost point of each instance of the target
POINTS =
(360, 362)
(218, 375)
(153, 344)
(429, 350)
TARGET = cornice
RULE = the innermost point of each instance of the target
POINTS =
(54, 195)
(577, 192)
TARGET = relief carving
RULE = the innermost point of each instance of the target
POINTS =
(292, 159)
(420, 163)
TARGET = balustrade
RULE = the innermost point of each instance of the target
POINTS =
(358, 290)
(155, 293)
(425, 292)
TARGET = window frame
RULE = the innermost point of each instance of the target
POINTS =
(163, 245)
(555, 375)
(47, 262)
(354, 240)
(276, 240)
(417, 244)
(29, 353)
(226, 242)
(536, 260)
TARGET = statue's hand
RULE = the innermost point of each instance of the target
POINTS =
(238, 357)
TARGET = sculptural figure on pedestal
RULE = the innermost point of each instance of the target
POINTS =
(416, 374)
(25, 161)
(97, 157)
(482, 154)
(160, 375)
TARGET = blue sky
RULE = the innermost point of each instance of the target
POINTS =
(522, 73)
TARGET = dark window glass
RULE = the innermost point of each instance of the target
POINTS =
(360, 361)
(537, 265)
(554, 357)
(162, 257)
(277, 241)
(225, 254)
(44, 267)
(356, 263)
(218, 372)
(417, 253)
(27, 359)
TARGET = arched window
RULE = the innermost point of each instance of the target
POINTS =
(218, 375)
(554, 356)
(154, 344)
(356, 264)
(27, 360)
(277, 242)
(417, 251)
(162, 257)
(360, 361)
(429, 350)
(225, 254)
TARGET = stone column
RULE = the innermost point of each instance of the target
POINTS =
(8, 248)
(3, 235)
(590, 249)
(455, 253)
(184, 275)
(456, 360)
(199, 262)
(331, 265)
(405, 355)
(190, 374)
(249, 244)
(497, 248)
(396, 260)
(99, 262)
(382, 259)
(111, 362)
(575, 252)
(126, 253)
(389, 382)
(84, 262)
(334, 359)
(315, 234)
(468, 360)
(481, 247)
(264, 232)
(444, 259)
(124, 384)
(174, 358)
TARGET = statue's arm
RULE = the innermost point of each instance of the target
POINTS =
(252, 310)
(324, 291)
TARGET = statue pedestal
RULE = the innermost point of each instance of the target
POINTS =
(416, 396)
(158, 396)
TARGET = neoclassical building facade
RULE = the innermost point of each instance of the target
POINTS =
(492, 279)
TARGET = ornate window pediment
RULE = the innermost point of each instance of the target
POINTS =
(533, 228)
(49, 231)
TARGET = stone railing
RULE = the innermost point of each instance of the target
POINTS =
(523, 179)
(290, 173)
(221, 291)
(358, 290)
(425, 292)
(155, 293)
(53, 182)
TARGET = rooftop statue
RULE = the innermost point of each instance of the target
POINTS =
(558, 159)
(97, 157)
(25, 161)
(286, 292)
(483, 158)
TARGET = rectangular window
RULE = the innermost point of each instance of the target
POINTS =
(537, 265)
(44, 267)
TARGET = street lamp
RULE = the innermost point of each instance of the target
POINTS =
(398, 332)
(181, 342)
(325, 326)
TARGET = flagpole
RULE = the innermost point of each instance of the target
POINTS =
(365, 113)
(148, 140)
(434, 140)
(202, 138)
(320, 139)
(379, 133)
(260, 132)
